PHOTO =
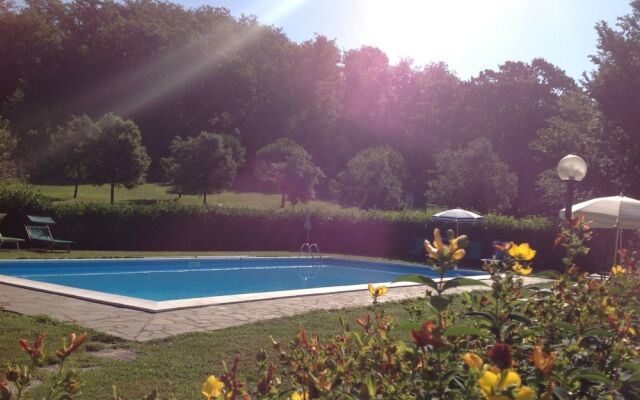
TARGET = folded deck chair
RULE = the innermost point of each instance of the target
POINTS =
(40, 235)
(7, 239)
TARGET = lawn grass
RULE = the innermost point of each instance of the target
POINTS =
(152, 192)
(178, 365)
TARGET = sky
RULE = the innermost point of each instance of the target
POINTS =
(468, 35)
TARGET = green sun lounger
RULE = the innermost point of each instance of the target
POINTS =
(7, 239)
(40, 235)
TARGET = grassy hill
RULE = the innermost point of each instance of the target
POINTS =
(152, 192)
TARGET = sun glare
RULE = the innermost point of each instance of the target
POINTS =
(429, 30)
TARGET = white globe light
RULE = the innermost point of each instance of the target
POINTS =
(572, 167)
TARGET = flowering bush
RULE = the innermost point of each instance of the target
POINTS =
(577, 338)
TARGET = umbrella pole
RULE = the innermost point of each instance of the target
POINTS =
(456, 227)
(615, 251)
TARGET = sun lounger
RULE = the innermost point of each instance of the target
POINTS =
(7, 239)
(40, 235)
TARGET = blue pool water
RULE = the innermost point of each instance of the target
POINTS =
(185, 278)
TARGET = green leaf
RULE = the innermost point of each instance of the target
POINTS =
(425, 280)
(463, 330)
(411, 325)
(456, 282)
(548, 274)
(560, 393)
(590, 375)
(481, 314)
(440, 303)
(520, 318)
(630, 366)
(565, 326)
(597, 332)
(635, 377)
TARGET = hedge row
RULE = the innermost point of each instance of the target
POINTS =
(168, 226)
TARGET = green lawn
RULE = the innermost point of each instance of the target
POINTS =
(178, 365)
(152, 192)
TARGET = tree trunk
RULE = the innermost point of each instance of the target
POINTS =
(283, 197)
(75, 190)
(113, 186)
(205, 198)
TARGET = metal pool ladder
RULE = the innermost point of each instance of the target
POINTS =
(311, 251)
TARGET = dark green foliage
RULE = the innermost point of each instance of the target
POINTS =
(17, 201)
(374, 178)
(473, 177)
(289, 167)
(8, 144)
(172, 69)
(577, 129)
(118, 156)
(203, 164)
(615, 85)
(72, 148)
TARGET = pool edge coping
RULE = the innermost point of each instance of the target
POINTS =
(151, 306)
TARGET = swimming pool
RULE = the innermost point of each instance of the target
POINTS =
(161, 284)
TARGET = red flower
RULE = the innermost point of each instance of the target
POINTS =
(36, 351)
(71, 344)
(425, 336)
(500, 354)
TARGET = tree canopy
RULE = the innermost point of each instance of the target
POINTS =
(374, 178)
(473, 177)
(203, 164)
(177, 71)
(118, 156)
(289, 167)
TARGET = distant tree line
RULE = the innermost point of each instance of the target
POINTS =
(358, 128)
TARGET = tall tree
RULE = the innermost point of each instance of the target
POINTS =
(8, 144)
(509, 106)
(577, 129)
(473, 177)
(72, 147)
(290, 168)
(374, 178)
(207, 163)
(119, 158)
(615, 85)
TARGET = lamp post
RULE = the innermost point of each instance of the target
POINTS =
(571, 169)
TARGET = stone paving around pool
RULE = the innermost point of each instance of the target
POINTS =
(142, 326)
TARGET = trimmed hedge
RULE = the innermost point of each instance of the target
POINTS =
(168, 226)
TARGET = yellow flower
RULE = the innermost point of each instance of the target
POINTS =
(472, 360)
(525, 393)
(493, 383)
(437, 239)
(617, 270)
(521, 252)
(299, 395)
(631, 331)
(521, 269)
(378, 291)
(458, 254)
(441, 252)
(212, 387)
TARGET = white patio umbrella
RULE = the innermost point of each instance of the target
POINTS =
(617, 212)
(456, 215)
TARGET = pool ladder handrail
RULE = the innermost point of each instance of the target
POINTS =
(308, 249)
(313, 251)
